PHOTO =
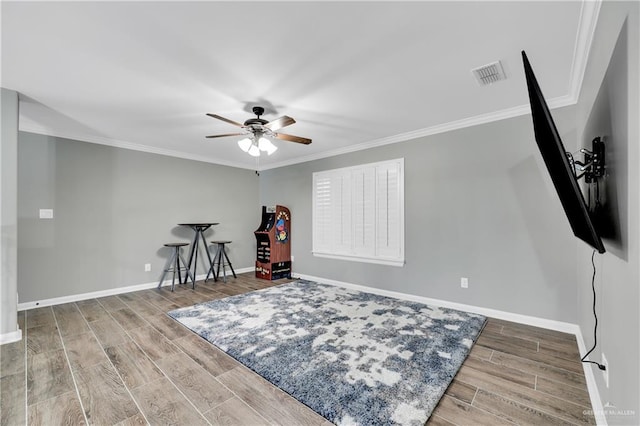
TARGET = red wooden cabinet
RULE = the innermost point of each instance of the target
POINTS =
(273, 238)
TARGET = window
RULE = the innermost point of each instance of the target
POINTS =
(358, 213)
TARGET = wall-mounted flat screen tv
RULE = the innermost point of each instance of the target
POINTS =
(557, 162)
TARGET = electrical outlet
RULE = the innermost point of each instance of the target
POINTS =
(147, 267)
(605, 372)
(464, 282)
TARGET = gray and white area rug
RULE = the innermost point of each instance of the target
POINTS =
(352, 357)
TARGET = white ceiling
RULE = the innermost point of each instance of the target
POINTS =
(142, 75)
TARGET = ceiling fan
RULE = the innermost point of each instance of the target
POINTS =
(257, 128)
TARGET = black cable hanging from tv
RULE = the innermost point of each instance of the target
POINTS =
(595, 316)
(593, 187)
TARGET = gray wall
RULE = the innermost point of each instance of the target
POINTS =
(113, 211)
(478, 204)
(612, 80)
(8, 211)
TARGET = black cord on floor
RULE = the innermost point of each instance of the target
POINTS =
(595, 316)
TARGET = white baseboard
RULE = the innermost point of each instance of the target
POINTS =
(109, 292)
(13, 336)
(91, 295)
(243, 270)
(564, 327)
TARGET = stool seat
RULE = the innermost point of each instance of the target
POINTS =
(218, 259)
(174, 265)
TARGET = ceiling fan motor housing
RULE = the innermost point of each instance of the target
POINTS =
(255, 121)
(257, 110)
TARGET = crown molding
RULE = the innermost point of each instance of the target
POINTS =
(27, 125)
(589, 13)
(559, 102)
(554, 103)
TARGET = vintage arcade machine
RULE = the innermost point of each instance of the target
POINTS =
(273, 238)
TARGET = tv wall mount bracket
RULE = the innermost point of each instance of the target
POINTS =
(592, 168)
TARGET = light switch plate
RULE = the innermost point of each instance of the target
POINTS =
(46, 213)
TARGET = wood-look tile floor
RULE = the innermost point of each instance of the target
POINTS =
(121, 360)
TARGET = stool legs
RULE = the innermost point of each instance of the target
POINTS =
(218, 260)
(167, 268)
(212, 270)
(173, 265)
(224, 252)
(193, 281)
(219, 257)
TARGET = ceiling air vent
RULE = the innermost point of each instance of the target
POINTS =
(489, 74)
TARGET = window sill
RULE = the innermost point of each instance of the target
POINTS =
(379, 261)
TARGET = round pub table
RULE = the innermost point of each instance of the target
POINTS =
(198, 229)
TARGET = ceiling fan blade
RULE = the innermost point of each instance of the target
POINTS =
(225, 135)
(235, 123)
(292, 138)
(279, 123)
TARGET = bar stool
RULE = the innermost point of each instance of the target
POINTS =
(220, 261)
(173, 265)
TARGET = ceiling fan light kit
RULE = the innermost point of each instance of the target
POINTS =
(258, 130)
(254, 151)
(253, 147)
(265, 144)
(245, 144)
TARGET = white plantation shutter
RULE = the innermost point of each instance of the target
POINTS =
(363, 181)
(358, 213)
(388, 225)
(322, 213)
(342, 213)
